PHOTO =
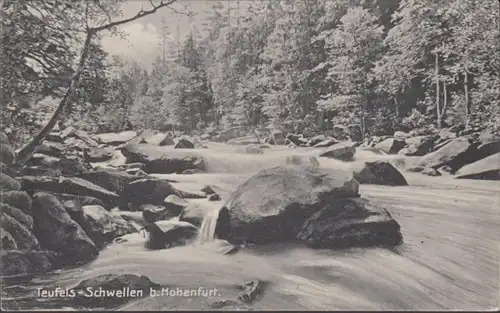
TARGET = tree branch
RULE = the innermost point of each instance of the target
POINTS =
(141, 13)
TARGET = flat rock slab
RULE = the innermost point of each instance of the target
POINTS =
(69, 185)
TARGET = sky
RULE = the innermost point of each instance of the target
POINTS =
(142, 36)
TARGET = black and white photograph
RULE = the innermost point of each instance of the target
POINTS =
(250, 155)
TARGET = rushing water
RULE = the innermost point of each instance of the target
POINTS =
(449, 258)
(206, 233)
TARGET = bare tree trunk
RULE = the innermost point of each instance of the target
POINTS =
(466, 93)
(438, 109)
(27, 151)
(396, 105)
(445, 103)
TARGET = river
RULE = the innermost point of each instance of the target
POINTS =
(449, 258)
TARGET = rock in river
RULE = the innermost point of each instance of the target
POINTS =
(58, 232)
(272, 205)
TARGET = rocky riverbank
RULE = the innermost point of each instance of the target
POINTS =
(79, 193)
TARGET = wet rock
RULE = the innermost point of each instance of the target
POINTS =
(152, 213)
(137, 165)
(191, 195)
(297, 140)
(214, 197)
(16, 262)
(251, 291)
(208, 190)
(417, 146)
(57, 232)
(145, 191)
(159, 140)
(8, 183)
(486, 169)
(455, 154)
(430, 172)
(350, 223)
(391, 145)
(194, 213)
(113, 181)
(184, 143)
(163, 162)
(69, 185)
(18, 199)
(175, 204)
(316, 139)
(287, 197)
(328, 142)
(380, 173)
(24, 238)
(102, 227)
(341, 151)
(173, 233)
(116, 139)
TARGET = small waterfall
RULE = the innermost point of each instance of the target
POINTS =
(206, 233)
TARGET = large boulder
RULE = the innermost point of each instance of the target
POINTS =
(380, 173)
(116, 139)
(18, 199)
(297, 140)
(102, 226)
(417, 146)
(23, 237)
(8, 183)
(487, 169)
(18, 215)
(71, 165)
(145, 191)
(455, 154)
(391, 145)
(16, 262)
(69, 185)
(57, 232)
(272, 205)
(342, 151)
(349, 223)
(152, 213)
(111, 180)
(159, 140)
(163, 162)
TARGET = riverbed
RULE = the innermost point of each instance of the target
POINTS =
(449, 259)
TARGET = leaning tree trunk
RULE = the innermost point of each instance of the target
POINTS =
(27, 151)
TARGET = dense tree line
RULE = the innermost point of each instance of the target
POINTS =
(382, 65)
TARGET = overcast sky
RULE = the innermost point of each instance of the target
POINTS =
(142, 39)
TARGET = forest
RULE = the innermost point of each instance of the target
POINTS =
(302, 66)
